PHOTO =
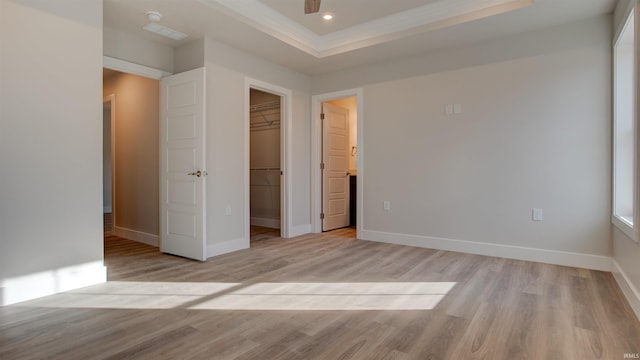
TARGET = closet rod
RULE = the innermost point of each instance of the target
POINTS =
(266, 124)
(265, 106)
(265, 169)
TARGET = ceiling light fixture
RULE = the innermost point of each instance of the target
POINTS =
(153, 26)
(327, 16)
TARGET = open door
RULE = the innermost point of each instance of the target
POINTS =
(335, 170)
(182, 165)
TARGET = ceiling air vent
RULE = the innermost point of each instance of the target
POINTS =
(154, 27)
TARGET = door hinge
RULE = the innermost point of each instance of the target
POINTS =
(322, 116)
(321, 166)
(322, 216)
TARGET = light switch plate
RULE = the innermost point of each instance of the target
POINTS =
(537, 214)
(448, 109)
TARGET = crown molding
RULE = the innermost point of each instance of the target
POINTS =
(425, 18)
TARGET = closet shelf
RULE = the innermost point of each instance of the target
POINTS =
(265, 169)
(265, 124)
(265, 106)
(265, 115)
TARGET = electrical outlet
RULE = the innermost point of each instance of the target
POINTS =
(227, 210)
(386, 205)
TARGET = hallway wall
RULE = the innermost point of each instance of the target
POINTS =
(136, 158)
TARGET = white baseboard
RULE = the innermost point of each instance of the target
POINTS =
(227, 247)
(270, 223)
(139, 236)
(587, 261)
(300, 230)
(32, 286)
(628, 289)
(106, 209)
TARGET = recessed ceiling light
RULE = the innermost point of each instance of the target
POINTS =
(327, 16)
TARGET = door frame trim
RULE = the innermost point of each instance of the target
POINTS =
(133, 68)
(111, 99)
(286, 116)
(316, 156)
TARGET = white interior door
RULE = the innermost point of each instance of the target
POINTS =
(182, 161)
(335, 173)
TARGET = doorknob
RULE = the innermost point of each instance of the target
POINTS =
(348, 173)
(198, 173)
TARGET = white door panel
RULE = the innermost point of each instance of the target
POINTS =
(182, 161)
(182, 128)
(335, 175)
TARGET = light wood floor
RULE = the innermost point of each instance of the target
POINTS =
(325, 296)
(108, 224)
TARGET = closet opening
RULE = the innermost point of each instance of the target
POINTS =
(265, 171)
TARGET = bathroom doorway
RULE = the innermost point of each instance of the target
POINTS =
(352, 100)
(339, 163)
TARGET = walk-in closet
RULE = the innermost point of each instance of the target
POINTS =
(264, 159)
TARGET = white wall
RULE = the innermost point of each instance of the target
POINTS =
(534, 132)
(189, 56)
(123, 46)
(530, 44)
(226, 71)
(50, 147)
(626, 252)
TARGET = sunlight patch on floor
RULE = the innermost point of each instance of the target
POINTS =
(253, 296)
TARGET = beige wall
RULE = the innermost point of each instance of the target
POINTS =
(534, 132)
(189, 56)
(136, 144)
(50, 147)
(123, 46)
(227, 70)
(626, 252)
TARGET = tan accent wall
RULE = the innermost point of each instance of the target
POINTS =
(136, 147)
